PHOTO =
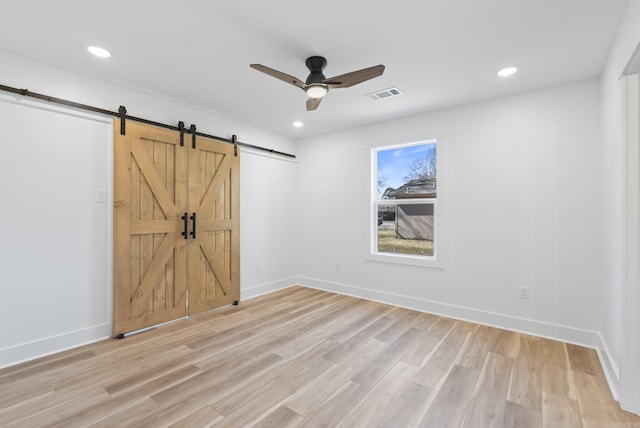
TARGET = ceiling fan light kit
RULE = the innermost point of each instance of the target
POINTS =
(317, 90)
(317, 85)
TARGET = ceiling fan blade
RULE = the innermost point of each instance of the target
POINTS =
(355, 77)
(313, 103)
(279, 75)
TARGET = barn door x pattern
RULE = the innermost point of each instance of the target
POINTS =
(176, 226)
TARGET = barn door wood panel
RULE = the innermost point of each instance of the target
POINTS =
(176, 226)
(214, 252)
(150, 198)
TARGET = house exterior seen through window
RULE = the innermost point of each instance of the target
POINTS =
(405, 200)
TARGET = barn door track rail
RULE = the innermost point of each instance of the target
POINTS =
(122, 114)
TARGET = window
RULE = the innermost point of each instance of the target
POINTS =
(406, 193)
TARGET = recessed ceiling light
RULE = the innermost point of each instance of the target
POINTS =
(98, 51)
(507, 71)
(297, 124)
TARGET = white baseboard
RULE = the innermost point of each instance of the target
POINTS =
(258, 290)
(610, 367)
(47, 346)
(573, 335)
(587, 338)
(50, 345)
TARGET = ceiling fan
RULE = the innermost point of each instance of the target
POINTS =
(316, 86)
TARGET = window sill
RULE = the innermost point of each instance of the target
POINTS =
(404, 259)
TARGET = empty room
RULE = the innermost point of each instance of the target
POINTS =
(335, 214)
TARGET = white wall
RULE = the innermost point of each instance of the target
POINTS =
(614, 167)
(54, 252)
(266, 237)
(267, 205)
(524, 208)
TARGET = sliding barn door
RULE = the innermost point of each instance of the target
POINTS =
(176, 226)
(150, 198)
(214, 253)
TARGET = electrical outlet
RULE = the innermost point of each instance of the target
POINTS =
(258, 268)
(337, 267)
(524, 293)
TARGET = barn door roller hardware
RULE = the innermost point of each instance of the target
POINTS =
(193, 136)
(181, 129)
(234, 140)
(122, 114)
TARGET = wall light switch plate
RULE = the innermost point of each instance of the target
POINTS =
(101, 196)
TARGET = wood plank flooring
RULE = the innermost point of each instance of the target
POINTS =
(308, 358)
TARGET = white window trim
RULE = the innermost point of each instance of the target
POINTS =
(440, 236)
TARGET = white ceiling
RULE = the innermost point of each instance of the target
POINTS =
(439, 53)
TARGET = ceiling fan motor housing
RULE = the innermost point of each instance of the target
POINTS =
(316, 64)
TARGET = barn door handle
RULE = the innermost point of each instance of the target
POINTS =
(193, 225)
(185, 225)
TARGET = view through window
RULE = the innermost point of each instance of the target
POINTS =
(406, 182)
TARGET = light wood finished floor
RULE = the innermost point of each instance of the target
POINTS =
(302, 357)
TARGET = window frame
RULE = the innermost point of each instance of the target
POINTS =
(439, 251)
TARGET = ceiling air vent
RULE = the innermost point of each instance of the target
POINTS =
(385, 93)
